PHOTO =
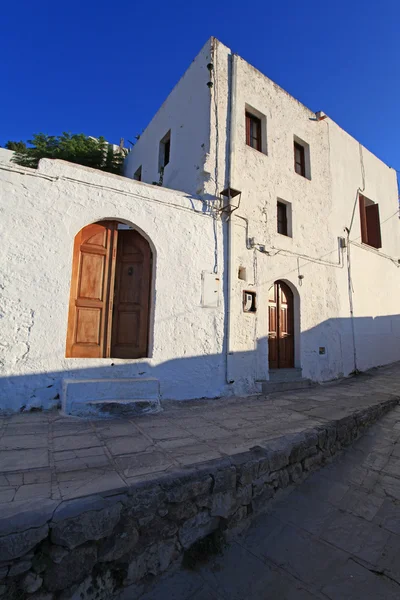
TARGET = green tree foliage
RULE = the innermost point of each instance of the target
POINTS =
(76, 148)
(16, 146)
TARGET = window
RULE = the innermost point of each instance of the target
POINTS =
(299, 159)
(253, 131)
(370, 223)
(165, 151)
(138, 174)
(167, 148)
(282, 218)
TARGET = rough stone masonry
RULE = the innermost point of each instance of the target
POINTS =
(104, 547)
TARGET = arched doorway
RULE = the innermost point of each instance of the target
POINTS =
(281, 326)
(110, 293)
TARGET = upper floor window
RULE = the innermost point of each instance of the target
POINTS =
(370, 223)
(165, 150)
(301, 151)
(138, 174)
(253, 131)
(299, 159)
(282, 218)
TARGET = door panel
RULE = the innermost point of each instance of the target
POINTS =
(89, 291)
(281, 330)
(131, 296)
(88, 325)
(91, 278)
(110, 293)
(273, 329)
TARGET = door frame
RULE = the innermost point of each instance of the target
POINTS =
(113, 225)
(296, 321)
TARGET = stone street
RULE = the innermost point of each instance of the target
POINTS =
(100, 509)
(336, 536)
(51, 456)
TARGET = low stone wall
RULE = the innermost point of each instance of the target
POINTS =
(109, 546)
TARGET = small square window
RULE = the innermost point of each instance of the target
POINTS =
(165, 151)
(282, 218)
(370, 222)
(253, 131)
(138, 174)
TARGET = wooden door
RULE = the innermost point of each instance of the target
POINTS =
(110, 293)
(131, 296)
(281, 329)
(89, 295)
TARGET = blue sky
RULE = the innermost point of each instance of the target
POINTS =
(103, 68)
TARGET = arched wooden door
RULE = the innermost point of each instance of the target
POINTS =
(110, 293)
(281, 327)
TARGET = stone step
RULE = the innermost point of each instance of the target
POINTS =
(124, 408)
(110, 397)
(271, 387)
(284, 375)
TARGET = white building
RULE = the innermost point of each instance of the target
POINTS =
(303, 183)
(274, 255)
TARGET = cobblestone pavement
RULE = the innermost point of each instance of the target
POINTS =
(47, 455)
(337, 536)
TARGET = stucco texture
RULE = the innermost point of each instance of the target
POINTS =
(321, 207)
(346, 309)
(186, 113)
(42, 211)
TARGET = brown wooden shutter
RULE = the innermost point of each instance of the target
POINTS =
(363, 220)
(90, 291)
(373, 225)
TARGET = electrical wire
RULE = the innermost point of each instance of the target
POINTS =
(309, 258)
(395, 261)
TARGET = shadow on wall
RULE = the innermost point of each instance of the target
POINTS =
(328, 350)
(326, 353)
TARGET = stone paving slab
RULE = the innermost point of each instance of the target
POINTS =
(52, 456)
(334, 537)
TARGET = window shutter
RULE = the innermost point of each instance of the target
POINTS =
(373, 225)
(363, 220)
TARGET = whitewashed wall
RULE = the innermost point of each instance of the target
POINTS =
(6, 155)
(375, 278)
(41, 211)
(321, 209)
(186, 112)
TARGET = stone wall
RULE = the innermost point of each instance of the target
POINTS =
(111, 546)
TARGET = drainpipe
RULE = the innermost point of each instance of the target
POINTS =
(229, 227)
